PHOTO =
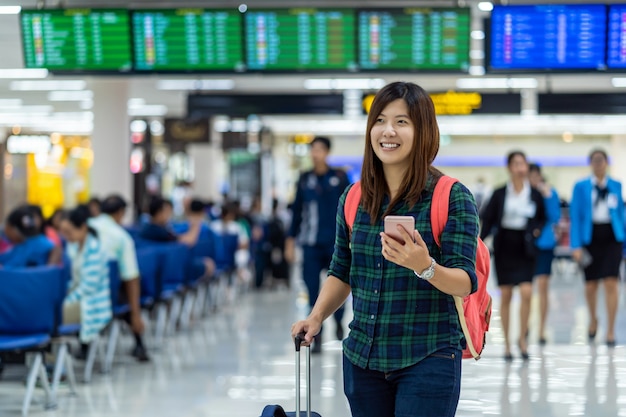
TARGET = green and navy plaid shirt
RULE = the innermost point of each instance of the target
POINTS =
(400, 319)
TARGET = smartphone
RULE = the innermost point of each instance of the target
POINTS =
(391, 226)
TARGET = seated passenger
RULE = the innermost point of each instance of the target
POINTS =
(28, 246)
(158, 230)
(227, 226)
(43, 226)
(196, 213)
(88, 301)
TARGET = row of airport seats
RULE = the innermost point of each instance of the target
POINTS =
(173, 294)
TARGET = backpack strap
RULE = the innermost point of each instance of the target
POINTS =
(438, 218)
(440, 206)
(351, 204)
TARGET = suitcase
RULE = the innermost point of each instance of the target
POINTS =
(277, 410)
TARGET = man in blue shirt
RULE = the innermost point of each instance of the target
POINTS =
(313, 223)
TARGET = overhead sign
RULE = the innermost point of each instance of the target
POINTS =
(456, 103)
(449, 103)
(186, 131)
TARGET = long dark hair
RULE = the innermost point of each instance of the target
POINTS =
(78, 217)
(423, 153)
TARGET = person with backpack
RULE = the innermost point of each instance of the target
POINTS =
(515, 216)
(403, 353)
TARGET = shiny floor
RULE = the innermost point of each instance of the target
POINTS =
(241, 358)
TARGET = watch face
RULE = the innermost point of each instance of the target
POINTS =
(428, 274)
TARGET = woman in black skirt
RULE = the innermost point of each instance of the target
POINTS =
(515, 216)
(596, 238)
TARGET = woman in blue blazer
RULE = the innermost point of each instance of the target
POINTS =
(596, 236)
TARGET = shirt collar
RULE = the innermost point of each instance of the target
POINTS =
(525, 190)
(596, 181)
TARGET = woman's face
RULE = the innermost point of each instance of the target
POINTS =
(599, 165)
(518, 168)
(72, 233)
(393, 134)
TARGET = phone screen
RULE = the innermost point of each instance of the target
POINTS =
(391, 226)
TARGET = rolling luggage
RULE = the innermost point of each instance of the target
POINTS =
(277, 410)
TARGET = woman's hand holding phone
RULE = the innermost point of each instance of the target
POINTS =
(412, 254)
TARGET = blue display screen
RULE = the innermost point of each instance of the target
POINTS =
(617, 37)
(548, 37)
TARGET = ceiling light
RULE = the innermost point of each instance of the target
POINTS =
(10, 103)
(476, 70)
(485, 6)
(23, 73)
(48, 85)
(502, 83)
(618, 82)
(70, 95)
(134, 103)
(344, 83)
(148, 110)
(477, 34)
(10, 9)
(195, 84)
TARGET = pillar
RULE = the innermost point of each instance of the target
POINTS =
(617, 153)
(110, 172)
(208, 163)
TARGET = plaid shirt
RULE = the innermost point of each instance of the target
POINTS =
(400, 319)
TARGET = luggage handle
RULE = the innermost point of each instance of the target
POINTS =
(299, 339)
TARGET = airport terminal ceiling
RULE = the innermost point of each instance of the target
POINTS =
(153, 89)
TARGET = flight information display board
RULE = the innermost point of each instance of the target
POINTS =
(617, 36)
(548, 37)
(187, 40)
(77, 39)
(300, 39)
(414, 39)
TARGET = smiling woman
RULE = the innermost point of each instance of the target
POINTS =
(405, 339)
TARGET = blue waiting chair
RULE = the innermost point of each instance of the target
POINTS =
(174, 258)
(29, 306)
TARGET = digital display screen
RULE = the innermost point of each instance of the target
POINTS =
(414, 39)
(300, 39)
(187, 40)
(548, 37)
(617, 36)
(77, 39)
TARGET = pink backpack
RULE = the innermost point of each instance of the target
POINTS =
(474, 310)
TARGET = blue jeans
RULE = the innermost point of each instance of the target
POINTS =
(430, 388)
(315, 260)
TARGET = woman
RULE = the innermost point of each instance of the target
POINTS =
(28, 246)
(403, 353)
(89, 300)
(597, 233)
(546, 243)
(515, 216)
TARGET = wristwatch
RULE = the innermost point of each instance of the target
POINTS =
(428, 273)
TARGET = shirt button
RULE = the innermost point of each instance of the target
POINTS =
(375, 291)
(378, 265)
(372, 317)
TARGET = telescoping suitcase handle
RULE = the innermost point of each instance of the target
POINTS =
(298, 342)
